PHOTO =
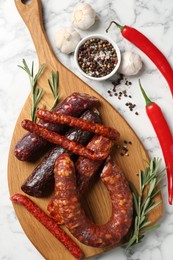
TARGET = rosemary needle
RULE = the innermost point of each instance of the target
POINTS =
(53, 83)
(144, 201)
(36, 92)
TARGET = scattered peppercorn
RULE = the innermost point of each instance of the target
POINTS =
(97, 57)
(127, 83)
(131, 106)
(121, 93)
(123, 148)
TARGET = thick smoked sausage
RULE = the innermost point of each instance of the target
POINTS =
(74, 216)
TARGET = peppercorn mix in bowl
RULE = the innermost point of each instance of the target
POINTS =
(97, 57)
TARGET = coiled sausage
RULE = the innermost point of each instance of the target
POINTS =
(74, 216)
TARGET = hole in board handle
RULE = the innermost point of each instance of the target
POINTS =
(26, 2)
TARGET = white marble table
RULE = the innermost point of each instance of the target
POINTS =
(153, 18)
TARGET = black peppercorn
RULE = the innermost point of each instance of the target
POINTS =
(97, 57)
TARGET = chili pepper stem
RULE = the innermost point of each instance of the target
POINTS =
(121, 27)
(147, 100)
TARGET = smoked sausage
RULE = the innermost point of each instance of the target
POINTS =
(74, 216)
(40, 182)
(86, 168)
(30, 145)
(48, 223)
(53, 117)
(56, 138)
(85, 171)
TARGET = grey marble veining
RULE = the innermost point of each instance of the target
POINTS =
(154, 19)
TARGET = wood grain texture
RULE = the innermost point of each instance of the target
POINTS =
(97, 203)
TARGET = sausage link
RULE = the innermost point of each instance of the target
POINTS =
(30, 145)
(52, 117)
(40, 182)
(53, 211)
(48, 222)
(55, 138)
(85, 170)
(74, 216)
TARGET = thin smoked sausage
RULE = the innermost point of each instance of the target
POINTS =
(53, 117)
(48, 223)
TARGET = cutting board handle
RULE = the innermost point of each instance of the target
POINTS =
(31, 14)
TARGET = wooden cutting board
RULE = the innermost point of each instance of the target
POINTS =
(97, 204)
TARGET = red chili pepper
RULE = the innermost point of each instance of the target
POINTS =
(49, 223)
(144, 44)
(165, 138)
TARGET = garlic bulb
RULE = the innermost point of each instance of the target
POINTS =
(67, 39)
(83, 16)
(131, 63)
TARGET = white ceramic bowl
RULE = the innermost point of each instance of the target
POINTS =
(103, 37)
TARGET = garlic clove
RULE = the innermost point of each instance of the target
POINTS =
(67, 39)
(83, 16)
(131, 63)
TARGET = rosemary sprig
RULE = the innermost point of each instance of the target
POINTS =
(144, 201)
(53, 83)
(36, 92)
